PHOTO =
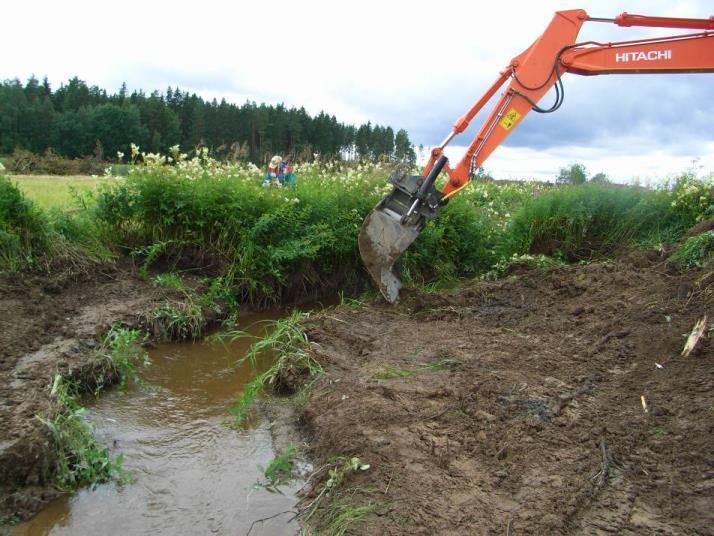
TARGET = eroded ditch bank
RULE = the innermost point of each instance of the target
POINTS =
(54, 325)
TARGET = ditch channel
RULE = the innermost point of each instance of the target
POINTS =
(190, 471)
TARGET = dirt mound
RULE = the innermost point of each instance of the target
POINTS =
(51, 324)
(701, 227)
(515, 407)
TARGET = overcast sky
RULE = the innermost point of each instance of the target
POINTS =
(409, 64)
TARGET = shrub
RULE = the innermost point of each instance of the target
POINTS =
(695, 252)
(273, 242)
(459, 244)
(24, 234)
(50, 163)
(290, 243)
(573, 174)
(592, 219)
(693, 197)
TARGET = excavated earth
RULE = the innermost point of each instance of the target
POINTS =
(523, 413)
(48, 325)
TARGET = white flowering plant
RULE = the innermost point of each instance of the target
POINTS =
(693, 196)
(303, 236)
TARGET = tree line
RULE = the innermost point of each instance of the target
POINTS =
(78, 120)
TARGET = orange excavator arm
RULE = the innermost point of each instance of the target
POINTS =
(535, 71)
(399, 217)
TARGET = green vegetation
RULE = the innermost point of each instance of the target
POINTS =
(695, 252)
(293, 364)
(180, 321)
(268, 242)
(581, 222)
(81, 460)
(692, 197)
(293, 242)
(266, 246)
(122, 354)
(53, 192)
(280, 469)
(507, 265)
(31, 238)
(24, 230)
(346, 516)
(341, 513)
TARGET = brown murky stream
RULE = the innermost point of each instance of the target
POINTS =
(192, 473)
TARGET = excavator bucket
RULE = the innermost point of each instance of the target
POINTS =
(395, 223)
(382, 241)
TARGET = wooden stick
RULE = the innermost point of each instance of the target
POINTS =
(695, 336)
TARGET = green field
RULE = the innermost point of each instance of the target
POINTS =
(49, 191)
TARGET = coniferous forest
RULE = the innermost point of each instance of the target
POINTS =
(78, 120)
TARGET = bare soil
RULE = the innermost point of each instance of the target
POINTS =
(530, 419)
(48, 325)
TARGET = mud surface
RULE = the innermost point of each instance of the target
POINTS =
(522, 413)
(50, 325)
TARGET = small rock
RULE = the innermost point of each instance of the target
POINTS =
(483, 415)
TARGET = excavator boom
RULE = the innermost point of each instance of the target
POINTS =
(400, 216)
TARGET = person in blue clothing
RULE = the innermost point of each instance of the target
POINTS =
(286, 175)
(272, 178)
(279, 173)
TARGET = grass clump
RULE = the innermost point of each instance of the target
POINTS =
(81, 460)
(696, 252)
(280, 470)
(346, 516)
(180, 321)
(293, 365)
(122, 353)
(24, 230)
(579, 222)
(339, 515)
(508, 265)
(187, 318)
(390, 373)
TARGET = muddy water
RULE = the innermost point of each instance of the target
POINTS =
(192, 474)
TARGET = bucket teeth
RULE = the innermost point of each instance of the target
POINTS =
(382, 241)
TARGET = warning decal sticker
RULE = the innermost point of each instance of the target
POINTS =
(510, 119)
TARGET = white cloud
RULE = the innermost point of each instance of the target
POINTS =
(653, 167)
(412, 64)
